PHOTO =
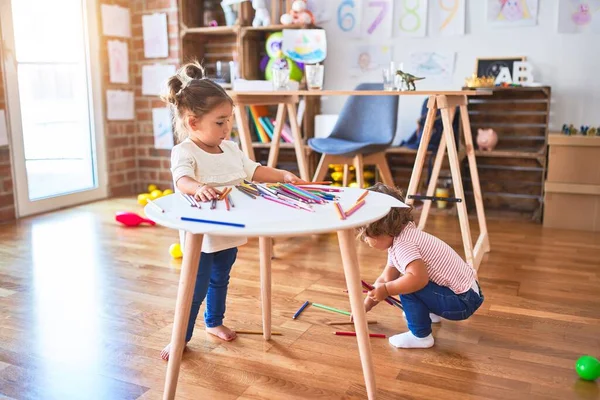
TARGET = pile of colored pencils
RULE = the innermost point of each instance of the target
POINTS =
(392, 301)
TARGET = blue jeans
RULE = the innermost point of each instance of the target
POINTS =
(212, 278)
(438, 300)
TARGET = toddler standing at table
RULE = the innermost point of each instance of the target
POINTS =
(204, 159)
(432, 280)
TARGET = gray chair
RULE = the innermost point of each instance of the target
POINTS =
(364, 130)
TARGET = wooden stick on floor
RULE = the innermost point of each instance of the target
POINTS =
(347, 322)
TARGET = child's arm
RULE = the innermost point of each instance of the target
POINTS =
(200, 191)
(268, 174)
(414, 279)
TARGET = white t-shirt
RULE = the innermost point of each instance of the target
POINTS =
(228, 168)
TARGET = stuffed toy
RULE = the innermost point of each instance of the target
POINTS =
(298, 14)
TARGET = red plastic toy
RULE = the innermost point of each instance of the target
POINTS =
(132, 219)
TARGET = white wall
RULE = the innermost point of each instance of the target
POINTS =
(569, 63)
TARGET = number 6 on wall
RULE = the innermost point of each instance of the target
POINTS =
(345, 15)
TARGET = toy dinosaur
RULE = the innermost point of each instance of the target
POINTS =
(408, 79)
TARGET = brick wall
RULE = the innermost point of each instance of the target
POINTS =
(152, 164)
(119, 136)
(7, 199)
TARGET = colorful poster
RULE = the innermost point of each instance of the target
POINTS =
(512, 13)
(578, 16)
(163, 129)
(156, 39)
(349, 15)
(447, 17)
(367, 58)
(308, 46)
(378, 19)
(411, 18)
(118, 61)
(321, 10)
(435, 66)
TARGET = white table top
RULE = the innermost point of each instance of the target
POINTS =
(262, 217)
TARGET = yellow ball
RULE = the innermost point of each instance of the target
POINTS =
(142, 199)
(369, 175)
(167, 191)
(353, 184)
(337, 176)
(152, 188)
(155, 194)
(175, 250)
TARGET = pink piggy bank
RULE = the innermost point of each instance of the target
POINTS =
(486, 139)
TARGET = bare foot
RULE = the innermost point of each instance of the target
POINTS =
(164, 354)
(222, 332)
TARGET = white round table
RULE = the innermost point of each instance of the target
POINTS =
(265, 219)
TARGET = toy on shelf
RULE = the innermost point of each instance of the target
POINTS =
(569, 130)
(298, 14)
(231, 16)
(588, 368)
(261, 14)
(479, 81)
(210, 13)
(408, 80)
(486, 139)
(275, 57)
(132, 219)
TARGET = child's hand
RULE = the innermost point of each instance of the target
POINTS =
(379, 293)
(206, 193)
(288, 177)
(369, 304)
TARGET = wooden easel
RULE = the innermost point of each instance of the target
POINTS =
(447, 104)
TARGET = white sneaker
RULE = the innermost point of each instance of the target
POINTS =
(435, 319)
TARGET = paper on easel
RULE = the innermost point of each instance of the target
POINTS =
(154, 78)
(116, 21)
(3, 130)
(156, 39)
(119, 105)
(118, 61)
(163, 129)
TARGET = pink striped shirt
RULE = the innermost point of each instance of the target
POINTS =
(444, 266)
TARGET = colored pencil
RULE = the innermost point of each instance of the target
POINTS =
(347, 322)
(376, 335)
(314, 183)
(355, 208)
(392, 301)
(276, 200)
(245, 191)
(227, 207)
(153, 204)
(213, 204)
(303, 192)
(247, 332)
(339, 210)
(195, 202)
(301, 309)
(294, 201)
(225, 193)
(186, 198)
(230, 200)
(330, 309)
(206, 221)
(362, 196)
(331, 190)
(295, 195)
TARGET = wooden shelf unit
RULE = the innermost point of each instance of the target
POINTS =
(246, 44)
(512, 175)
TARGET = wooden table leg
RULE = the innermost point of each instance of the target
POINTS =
(241, 119)
(298, 142)
(185, 292)
(279, 121)
(351, 270)
(264, 244)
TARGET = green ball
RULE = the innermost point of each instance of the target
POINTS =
(588, 368)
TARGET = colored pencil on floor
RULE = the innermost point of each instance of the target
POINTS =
(301, 309)
(375, 335)
(330, 309)
(347, 322)
(247, 332)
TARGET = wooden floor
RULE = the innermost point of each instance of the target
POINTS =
(86, 305)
